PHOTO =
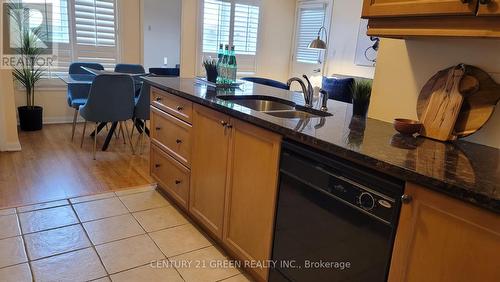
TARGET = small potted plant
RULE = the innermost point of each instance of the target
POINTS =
(27, 72)
(361, 93)
(211, 69)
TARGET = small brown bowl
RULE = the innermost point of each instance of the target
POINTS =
(407, 126)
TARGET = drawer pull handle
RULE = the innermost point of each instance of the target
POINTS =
(180, 108)
(229, 126)
(158, 99)
(178, 141)
(157, 165)
(158, 128)
(223, 123)
(406, 199)
(177, 182)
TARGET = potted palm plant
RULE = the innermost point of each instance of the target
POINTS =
(26, 71)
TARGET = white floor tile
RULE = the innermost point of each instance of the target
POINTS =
(40, 220)
(82, 265)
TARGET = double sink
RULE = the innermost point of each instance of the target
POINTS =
(274, 106)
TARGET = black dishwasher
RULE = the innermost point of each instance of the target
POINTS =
(335, 221)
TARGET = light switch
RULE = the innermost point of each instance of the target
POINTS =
(165, 61)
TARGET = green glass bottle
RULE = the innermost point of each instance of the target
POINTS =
(224, 65)
(220, 56)
(232, 68)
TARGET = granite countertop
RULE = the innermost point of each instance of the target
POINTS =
(463, 170)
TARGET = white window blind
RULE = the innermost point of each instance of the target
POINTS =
(246, 26)
(234, 22)
(95, 32)
(56, 13)
(216, 24)
(311, 19)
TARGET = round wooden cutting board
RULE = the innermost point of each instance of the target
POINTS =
(478, 105)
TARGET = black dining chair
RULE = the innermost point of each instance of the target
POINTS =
(174, 72)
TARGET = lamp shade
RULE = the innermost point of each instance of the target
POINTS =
(317, 44)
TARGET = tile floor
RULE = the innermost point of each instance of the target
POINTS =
(131, 235)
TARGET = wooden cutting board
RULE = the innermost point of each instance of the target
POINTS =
(478, 105)
(444, 105)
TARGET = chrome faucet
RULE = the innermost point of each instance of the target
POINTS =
(308, 92)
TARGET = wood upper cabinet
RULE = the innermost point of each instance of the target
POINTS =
(432, 18)
(489, 8)
(398, 8)
(208, 169)
(251, 193)
(443, 239)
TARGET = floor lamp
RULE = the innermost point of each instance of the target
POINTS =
(319, 44)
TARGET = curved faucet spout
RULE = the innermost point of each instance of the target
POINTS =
(305, 91)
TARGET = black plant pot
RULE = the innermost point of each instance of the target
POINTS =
(360, 108)
(212, 75)
(30, 118)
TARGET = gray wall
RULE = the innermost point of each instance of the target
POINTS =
(162, 27)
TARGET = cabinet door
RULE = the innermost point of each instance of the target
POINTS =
(400, 8)
(444, 239)
(251, 193)
(489, 8)
(172, 176)
(208, 170)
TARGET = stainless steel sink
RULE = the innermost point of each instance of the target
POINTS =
(262, 105)
(274, 107)
(292, 114)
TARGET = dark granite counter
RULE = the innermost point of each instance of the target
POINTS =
(463, 170)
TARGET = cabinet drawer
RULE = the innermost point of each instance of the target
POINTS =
(172, 135)
(176, 106)
(172, 176)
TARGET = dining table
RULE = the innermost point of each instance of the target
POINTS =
(87, 79)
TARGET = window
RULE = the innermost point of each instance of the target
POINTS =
(82, 30)
(95, 32)
(311, 17)
(234, 22)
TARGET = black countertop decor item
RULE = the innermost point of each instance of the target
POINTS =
(463, 170)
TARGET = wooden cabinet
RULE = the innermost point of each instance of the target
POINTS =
(443, 239)
(210, 148)
(170, 154)
(172, 176)
(492, 8)
(432, 18)
(172, 134)
(251, 193)
(234, 184)
(223, 171)
(176, 106)
(397, 8)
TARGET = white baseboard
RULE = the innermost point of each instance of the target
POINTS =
(10, 147)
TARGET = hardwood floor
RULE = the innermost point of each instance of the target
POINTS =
(51, 167)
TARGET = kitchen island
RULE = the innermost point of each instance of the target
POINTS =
(444, 181)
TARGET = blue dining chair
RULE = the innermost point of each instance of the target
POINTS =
(129, 68)
(77, 94)
(267, 81)
(132, 69)
(141, 112)
(111, 99)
